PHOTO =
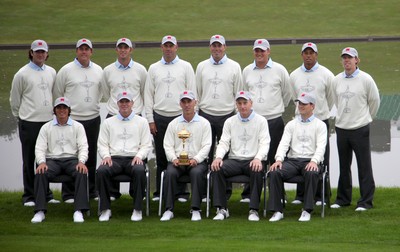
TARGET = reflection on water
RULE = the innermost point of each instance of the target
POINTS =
(385, 144)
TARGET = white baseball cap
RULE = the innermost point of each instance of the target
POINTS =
(305, 98)
(84, 42)
(350, 51)
(187, 94)
(124, 95)
(169, 38)
(309, 45)
(262, 44)
(39, 45)
(243, 94)
(217, 38)
(124, 41)
(62, 100)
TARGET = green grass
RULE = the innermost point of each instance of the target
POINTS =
(340, 230)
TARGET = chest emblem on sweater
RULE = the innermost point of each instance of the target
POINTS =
(307, 87)
(244, 138)
(124, 137)
(123, 85)
(44, 87)
(347, 95)
(305, 140)
(86, 84)
(215, 81)
(168, 80)
(61, 141)
(260, 85)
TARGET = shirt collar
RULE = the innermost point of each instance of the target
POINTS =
(195, 118)
(312, 117)
(129, 118)
(268, 65)
(314, 68)
(120, 66)
(36, 67)
(55, 122)
(222, 61)
(80, 65)
(170, 63)
(351, 75)
(251, 116)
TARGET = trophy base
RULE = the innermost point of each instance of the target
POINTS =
(184, 162)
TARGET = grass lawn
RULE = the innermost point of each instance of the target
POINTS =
(340, 230)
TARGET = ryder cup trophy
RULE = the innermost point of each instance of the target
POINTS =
(183, 156)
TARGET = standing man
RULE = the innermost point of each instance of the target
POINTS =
(268, 83)
(124, 75)
(30, 101)
(357, 100)
(197, 147)
(218, 79)
(61, 148)
(80, 81)
(124, 143)
(246, 137)
(165, 81)
(300, 152)
(313, 78)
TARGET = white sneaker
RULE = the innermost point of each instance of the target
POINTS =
(221, 214)
(38, 217)
(245, 200)
(204, 200)
(136, 215)
(78, 217)
(168, 215)
(305, 216)
(277, 216)
(196, 216)
(156, 198)
(29, 204)
(297, 202)
(319, 203)
(70, 201)
(53, 201)
(112, 198)
(96, 198)
(361, 209)
(253, 215)
(182, 200)
(105, 215)
(335, 206)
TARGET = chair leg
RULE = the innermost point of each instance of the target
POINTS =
(323, 195)
(265, 195)
(208, 195)
(161, 193)
(147, 192)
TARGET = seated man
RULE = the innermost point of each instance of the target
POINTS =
(61, 148)
(197, 147)
(246, 137)
(124, 142)
(305, 138)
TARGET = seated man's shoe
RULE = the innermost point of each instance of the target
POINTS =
(182, 200)
(335, 206)
(78, 217)
(305, 216)
(277, 216)
(361, 209)
(53, 201)
(38, 217)
(196, 215)
(245, 200)
(69, 201)
(29, 204)
(136, 215)
(319, 203)
(204, 200)
(222, 214)
(253, 215)
(156, 198)
(105, 215)
(168, 215)
(112, 198)
(297, 202)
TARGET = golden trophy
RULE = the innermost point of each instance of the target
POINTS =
(183, 156)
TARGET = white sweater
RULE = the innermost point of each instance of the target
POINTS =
(303, 140)
(55, 141)
(82, 86)
(116, 80)
(124, 138)
(197, 145)
(31, 93)
(217, 86)
(244, 140)
(357, 100)
(269, 88)
(318, 83)
(164, 84)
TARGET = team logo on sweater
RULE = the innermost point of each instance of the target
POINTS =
(260, 85)
(215, 82)
(123, 85)
(244, 138)
(87, 85)
(62, 141)
(305, 141)
(44, 87)
(347, 95)
(124, 137)
(168, 80)
(307, 88)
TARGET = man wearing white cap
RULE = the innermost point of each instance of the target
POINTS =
(246, 137)
(357, 100)
(61, 148)
(165, 81)
(197, 147)
(124, 142)
(80, 81)
(300, 151)
(268, 83)
(30, 101)
(313, 78)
